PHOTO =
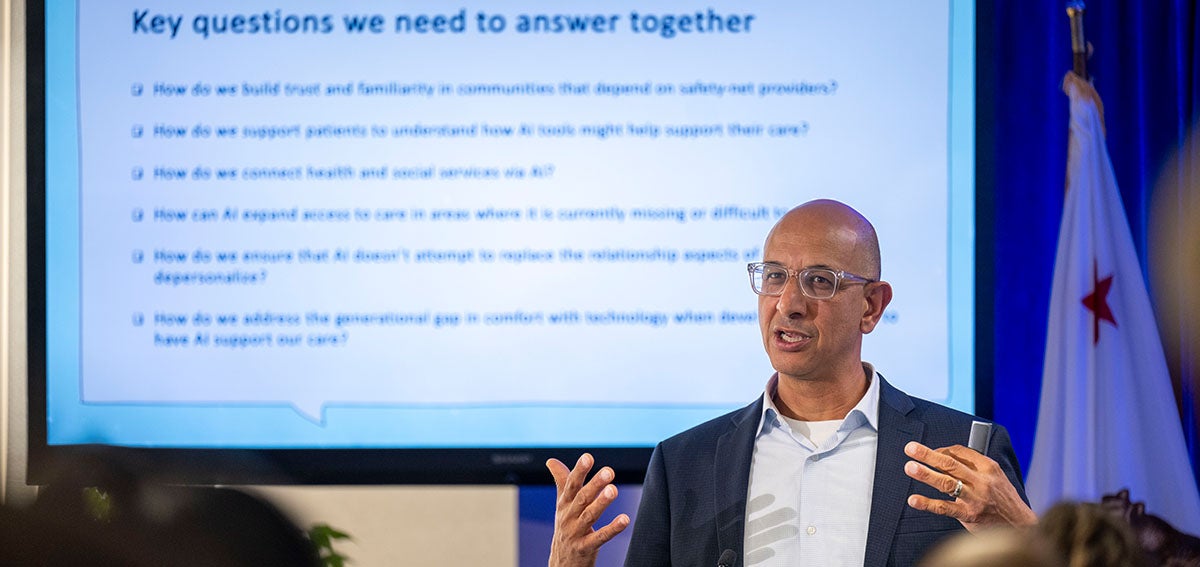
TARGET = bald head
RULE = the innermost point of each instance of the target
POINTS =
(839, 226)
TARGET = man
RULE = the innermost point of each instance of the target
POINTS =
(832, 465)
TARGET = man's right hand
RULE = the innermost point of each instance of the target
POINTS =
(579, 505)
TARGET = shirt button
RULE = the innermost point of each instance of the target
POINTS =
(811, 530)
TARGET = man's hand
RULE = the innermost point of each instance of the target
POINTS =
(987, 497)
(578, 506)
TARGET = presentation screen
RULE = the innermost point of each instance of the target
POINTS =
(408, 232)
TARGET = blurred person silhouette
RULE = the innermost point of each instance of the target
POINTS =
(1162, 542)
(1088, 535)
(143, 521)
(996, 547)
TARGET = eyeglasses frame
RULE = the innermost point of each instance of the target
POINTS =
(838, 277)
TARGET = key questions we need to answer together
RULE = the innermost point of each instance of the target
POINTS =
(211, 26)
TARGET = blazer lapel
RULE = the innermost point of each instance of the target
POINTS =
(892, 486)
(735, 449)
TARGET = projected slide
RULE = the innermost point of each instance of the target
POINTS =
(429, 224)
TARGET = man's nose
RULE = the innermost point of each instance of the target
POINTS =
(792, 302)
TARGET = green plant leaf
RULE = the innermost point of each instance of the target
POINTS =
(322, 537)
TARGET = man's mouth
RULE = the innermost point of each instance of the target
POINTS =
(791, 337)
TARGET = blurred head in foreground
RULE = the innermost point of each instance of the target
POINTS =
(1000, 547)
(1087, 535)
(131, 519)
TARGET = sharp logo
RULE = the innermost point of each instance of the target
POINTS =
(511, 458)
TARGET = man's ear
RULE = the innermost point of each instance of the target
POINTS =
(876, 297)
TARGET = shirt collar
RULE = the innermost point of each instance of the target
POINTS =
(866, 411)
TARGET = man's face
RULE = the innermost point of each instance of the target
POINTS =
(812, 339)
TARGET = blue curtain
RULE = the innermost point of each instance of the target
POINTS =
(1146, 68)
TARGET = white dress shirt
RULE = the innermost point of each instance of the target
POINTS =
(810, 504)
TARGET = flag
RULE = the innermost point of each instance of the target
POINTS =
(1108, 418)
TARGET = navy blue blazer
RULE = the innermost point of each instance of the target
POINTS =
(693, 505)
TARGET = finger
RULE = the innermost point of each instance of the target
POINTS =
(966, 456)
(943, 459)
(939, 481)
(596, 490)
(939, 507)
(559, 471)
(603, 535)
(595, 499)
(575, 477)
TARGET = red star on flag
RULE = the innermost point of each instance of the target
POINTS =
(1097, 302)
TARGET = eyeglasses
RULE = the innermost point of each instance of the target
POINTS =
(817, 283)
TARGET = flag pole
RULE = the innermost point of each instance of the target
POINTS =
(1075, 11)
(1079, 49)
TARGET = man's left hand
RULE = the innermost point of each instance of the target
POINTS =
(987, 497)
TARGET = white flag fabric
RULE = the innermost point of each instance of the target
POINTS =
(1108, 418)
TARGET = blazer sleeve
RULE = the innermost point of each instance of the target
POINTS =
(650, 544)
